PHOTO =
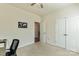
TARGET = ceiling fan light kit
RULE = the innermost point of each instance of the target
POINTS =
(41, 5)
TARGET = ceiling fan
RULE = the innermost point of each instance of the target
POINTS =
(41, 5)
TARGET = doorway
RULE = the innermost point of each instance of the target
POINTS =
(37, 31)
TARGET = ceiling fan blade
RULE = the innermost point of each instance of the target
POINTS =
(41, 5)
(33, 4)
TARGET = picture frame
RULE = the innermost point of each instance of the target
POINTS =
(22, 24)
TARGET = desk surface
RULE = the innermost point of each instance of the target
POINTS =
(2, 41)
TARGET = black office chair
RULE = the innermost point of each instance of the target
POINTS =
(13, 48)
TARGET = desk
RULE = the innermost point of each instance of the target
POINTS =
(3, 41)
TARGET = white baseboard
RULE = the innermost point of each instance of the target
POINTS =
(52, 43)
(26, 44)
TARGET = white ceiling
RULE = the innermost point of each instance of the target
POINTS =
(48, 7)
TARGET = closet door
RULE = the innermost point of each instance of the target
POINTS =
(72, 41)
(60, 32)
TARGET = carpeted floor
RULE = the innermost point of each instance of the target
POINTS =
(41, 49)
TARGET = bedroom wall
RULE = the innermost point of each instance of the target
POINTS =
(9, 18)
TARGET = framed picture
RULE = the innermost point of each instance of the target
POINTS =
(22, 24)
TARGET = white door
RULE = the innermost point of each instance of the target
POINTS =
(60, 31)
(72, 40)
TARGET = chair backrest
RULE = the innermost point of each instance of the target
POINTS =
(14, 45)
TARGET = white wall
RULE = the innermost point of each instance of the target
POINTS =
(9, 17)
(49, 21)
(48, 29)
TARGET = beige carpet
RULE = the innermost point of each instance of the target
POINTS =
(41, 49)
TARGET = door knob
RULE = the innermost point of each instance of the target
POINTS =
(65, 34)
